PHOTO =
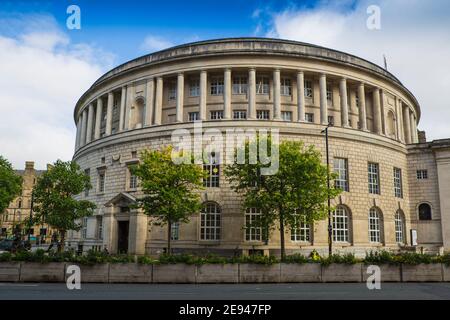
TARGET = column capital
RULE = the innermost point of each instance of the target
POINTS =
(252, 69)
(300, 72)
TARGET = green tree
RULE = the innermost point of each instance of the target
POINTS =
(54, 198)
(168, 187)
(296, 193)
(10, 184)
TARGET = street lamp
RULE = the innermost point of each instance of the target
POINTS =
(330, 228)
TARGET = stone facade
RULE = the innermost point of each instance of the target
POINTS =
(138, 105)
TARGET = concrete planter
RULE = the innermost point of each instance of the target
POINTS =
(257, 273)
(130, 273)
(422, 272)
(42, 272)
(446, 273)
(218, 273)
(174, 273)
(389, 272)
(9, 271)
(97, 273)
(342, 273)
(307, 272)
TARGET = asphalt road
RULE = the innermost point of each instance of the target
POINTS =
(313, 291)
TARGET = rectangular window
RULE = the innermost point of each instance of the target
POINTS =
(239, 114)
(262, 114)
(216, 86)
(133, 182)
(308, 89)
(173, 91)
(88, 173)
(262, 85)
(194, 116)
(357, 101)
(100, 227)
(301, 232)
(398, 185)
(309, 117)
(84, 223)
(329, 92)
(101, 181)
(212, 168)
(331, 120)
(341, 169)
(422, 174)
(194, 88)
(175, 231)
(253, 231)
(286, 115)
(216, 115)
(374, 178)
(286, 87)
(240, 85)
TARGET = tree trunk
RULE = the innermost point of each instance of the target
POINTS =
(63, 239)
(283, 250)
(169, 237)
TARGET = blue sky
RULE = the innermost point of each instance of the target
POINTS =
(45, 67)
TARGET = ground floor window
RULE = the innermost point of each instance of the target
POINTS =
(210, 224)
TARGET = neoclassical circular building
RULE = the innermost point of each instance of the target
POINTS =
(396, 186)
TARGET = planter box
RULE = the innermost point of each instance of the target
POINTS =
(42, 272)
(257, 273)
(422, 272)
(218, 273)
(307, 272)
(130, 273)
(97, 273)
(389, 273)
(174, 273)
(446, 272)
(342, 273)
(9, 271)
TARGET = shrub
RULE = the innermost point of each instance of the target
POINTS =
(257, 259)
(380, 257)
(5, 257)
(297, 258)
(348, 258)
(413, 258)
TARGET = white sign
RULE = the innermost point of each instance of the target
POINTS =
(414, 237)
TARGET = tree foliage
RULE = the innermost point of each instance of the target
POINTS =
(169, 188)
(54, 197)
(296, 193)
(10, 184)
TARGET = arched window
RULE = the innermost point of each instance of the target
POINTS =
(424, 211)
(341, 225)
(375, 225)
(210, 222)
(399, 227)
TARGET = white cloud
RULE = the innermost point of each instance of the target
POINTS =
(153, 43)
(42, 76)
(414, 36)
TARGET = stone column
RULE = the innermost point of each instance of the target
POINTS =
(77, 140)
(377, 111)
(149, 102)
(383, 112)
(109, 232)
(83, 127)
(227, 94)
(123, 99)
(323, 99)
(276, 95)
(109, 113)
(252, 93)
(203, 94)
(138, 232)
(300, 96)
(362, 107)
(399, 114)
(413, 130)
(158, 100)
(407, 124)
(98, 118)
(344, 102)
(89, 123)
(129, 102)
(180, 97)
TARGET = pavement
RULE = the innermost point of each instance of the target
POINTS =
(299, 291)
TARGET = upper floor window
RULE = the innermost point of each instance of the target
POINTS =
(329, 92)
(374, 178)
(240, 85)
(210, 224)
(212, 168)
(194, 87)
(262, 85)
(132, 181)
(101, 181)
(308, 89)
(375, 225)
(422, 174)
(398, 185)
(175, 231)
(216, 115)
(341, 168)
(301, 231)
(216, 86)
(286, 115)
(194, 116)
(84, 223)
(399, 227)
(309, 117)
(99, 227)
(253, 231)
(424, 211)
(286, 87)
(263, 114)
(331, 120)
(239, 114)
(172, 91)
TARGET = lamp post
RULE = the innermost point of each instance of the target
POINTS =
(330, 228)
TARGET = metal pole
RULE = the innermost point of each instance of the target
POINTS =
(330, 228)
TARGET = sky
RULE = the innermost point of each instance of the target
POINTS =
(45, 66)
